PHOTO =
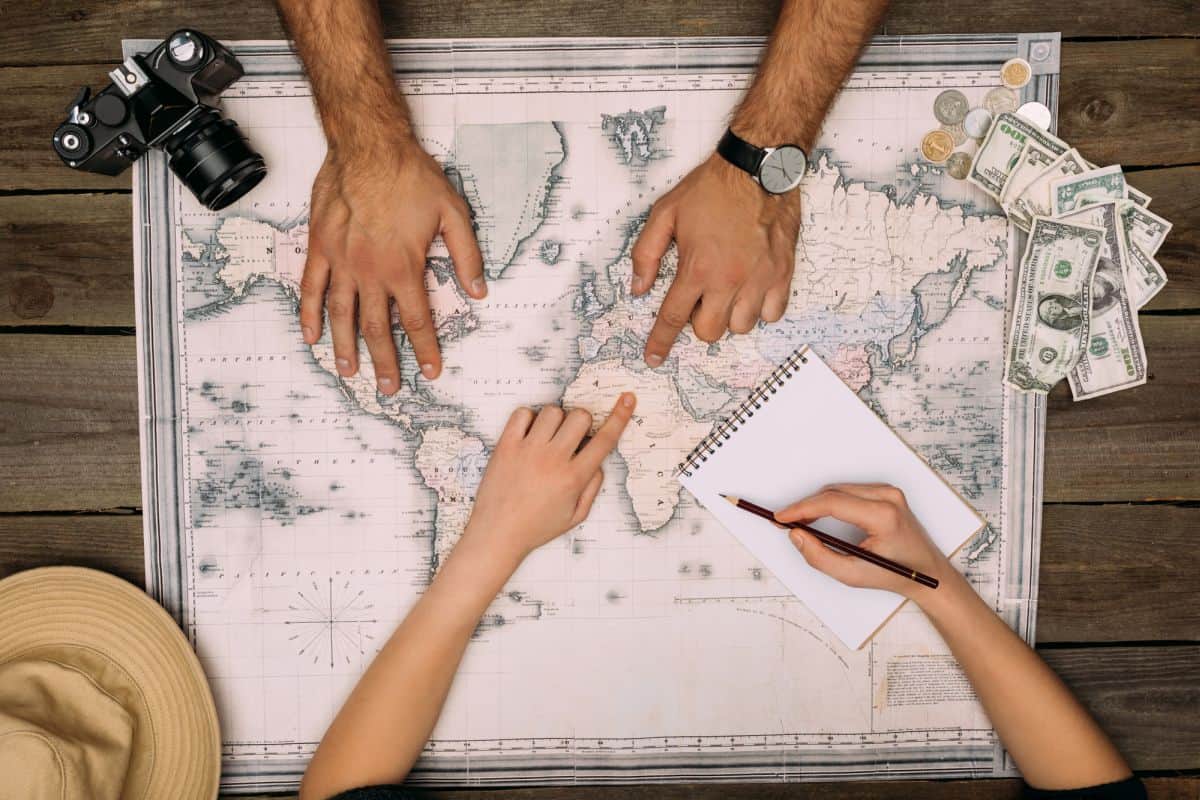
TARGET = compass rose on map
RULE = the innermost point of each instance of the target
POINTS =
(329, 626)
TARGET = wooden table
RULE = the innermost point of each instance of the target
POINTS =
(1119, 602)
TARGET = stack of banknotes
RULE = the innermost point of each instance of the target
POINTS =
(1088, 264)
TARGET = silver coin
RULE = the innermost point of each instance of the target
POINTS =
(958, 165)
(1036, 113)
(950, 107)
(1000, 100)
(956, 133)
(977, 123)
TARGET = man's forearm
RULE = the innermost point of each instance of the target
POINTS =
(341, 45)
(814, 46)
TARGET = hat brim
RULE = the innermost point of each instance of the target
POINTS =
(132, 647)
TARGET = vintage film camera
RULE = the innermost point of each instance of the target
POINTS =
(166, 98)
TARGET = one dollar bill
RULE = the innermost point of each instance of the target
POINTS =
(1050, 316)
(1087, 189)
(1115, 357)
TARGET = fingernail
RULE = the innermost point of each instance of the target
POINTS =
(798, 540)
(627, 400)
(343, 363)
(636, 284)
(308, 333)
(385, 384)
(479, 287)
(654, 360)
(428, 371)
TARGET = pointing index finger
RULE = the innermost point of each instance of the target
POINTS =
(595, 451)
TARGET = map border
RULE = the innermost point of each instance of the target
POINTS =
(161, 425)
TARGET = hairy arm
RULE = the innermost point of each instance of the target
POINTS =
(378, 201)
(813, 48)
(341, 45)
(1050, 735)
(737, 244)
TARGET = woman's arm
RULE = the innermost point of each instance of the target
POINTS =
(1053, 740)
(536, 487)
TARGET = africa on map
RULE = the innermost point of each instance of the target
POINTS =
(312, 510)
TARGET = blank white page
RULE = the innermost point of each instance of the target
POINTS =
(812, 432)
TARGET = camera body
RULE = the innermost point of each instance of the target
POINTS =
(166, 99)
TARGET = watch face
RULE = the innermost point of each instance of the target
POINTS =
(782, 169)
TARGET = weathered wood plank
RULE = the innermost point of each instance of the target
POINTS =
(1112, 573)
(1133, 102)
(1139, 444)
(108, 542)
(68, 434)
(66, 260)
(61, 31)
(1008, 789)
(68, 423)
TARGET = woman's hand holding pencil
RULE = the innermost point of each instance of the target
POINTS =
(892, 532)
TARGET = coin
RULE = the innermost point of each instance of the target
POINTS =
(958, 165)
(977, 123)
(950, 106)
(956, 133)
(1015, 73)
(1000, 100)
(936, 146)
(1036, 113)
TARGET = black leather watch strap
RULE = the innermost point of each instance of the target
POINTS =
(740, 153)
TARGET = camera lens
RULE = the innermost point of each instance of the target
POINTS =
(214, 159)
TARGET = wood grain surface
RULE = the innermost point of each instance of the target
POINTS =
(1118, 615)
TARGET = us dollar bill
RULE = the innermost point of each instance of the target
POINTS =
(1050, 316)
(1146, 277)
(1146, 229)
(1088, 188)
(1035, 199)
(1033, 160)
(1001, 148)
(1136, 196)
(1115, 357)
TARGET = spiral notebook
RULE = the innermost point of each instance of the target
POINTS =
(799, 431)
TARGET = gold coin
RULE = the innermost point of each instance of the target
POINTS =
(937, 146)
(1015, 73)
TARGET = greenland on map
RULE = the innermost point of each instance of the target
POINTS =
(294, 516)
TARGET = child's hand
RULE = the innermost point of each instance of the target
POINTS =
(536, 485)
(892, 531)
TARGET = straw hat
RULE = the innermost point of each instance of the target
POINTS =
(100, 694)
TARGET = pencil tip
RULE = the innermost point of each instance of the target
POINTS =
(732, 500)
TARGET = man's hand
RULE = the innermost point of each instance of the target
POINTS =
(737, 248)
(375, 211)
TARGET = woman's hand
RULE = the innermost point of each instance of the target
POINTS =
(539, 483)
(892, 531)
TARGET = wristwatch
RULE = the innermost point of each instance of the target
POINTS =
(777, 169)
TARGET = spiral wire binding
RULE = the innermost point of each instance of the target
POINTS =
(758, 398)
